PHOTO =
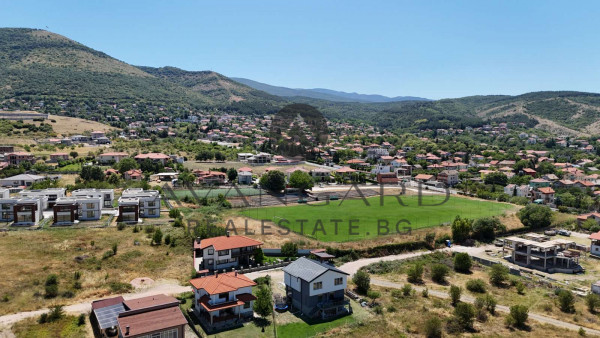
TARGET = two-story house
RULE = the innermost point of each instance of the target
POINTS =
(316, 289)
(136, 203)
(68, 210)
(107, 195)
(449, 177)
(27, 212)
(49, 196)
(223, 299)
(224, 252)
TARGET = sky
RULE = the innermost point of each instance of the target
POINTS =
(432, 49)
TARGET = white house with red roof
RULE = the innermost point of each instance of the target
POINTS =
(224, 252)
(223, 299)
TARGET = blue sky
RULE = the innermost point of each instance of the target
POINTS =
(433, 49)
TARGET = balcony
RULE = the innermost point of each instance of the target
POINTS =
(334, 303)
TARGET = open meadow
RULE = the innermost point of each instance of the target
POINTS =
(358, 219)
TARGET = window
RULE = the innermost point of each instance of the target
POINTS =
(91, 214)
(9, 215)
(317, 285)
(338, 281)
(151, 203)
(211, 262)
(224, 296)
(90, 206)
(152, 212)
(246, 305)
(211, 251)
(223, 252)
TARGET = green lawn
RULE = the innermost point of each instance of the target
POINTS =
(358, 221)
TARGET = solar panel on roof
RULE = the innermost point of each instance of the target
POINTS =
(107, 316)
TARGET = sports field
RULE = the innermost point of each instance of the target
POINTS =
(211, 193)
(353, 220)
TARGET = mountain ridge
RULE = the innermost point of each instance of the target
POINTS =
(324, 94)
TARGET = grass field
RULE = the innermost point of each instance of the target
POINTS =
(357, 221)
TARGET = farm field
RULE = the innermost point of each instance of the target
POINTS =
(356, 221)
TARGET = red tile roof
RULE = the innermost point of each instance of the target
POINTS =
(222, 282)
(146, 322)
(595, 235)
(150, 301)
(546, 190)
(98, 304)
(226, 242)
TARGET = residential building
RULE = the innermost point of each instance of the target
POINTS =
(260, 158)
(244, 177)
(27, 211)
(320, 174)
(133, 175)
(138, 203)
(592, 215)
(49, 196)
(21, 180)
(147, 317)
(107, 196)
(449, 177)
(316, 289)
(154, 157)
(224, 252)
(595, 244)
(424, 177)
(69, 210)
(517, 190)
(539, 183)
(387, 178)
(544, 195)
(223, 299)
(376, 152)
(17, 158)
(546, 255)
(57, 157)
(112, 157)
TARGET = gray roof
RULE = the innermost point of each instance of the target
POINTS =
(308, 269)
(107, 316)
(24, 177)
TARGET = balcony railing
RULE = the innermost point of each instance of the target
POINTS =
(333, 303)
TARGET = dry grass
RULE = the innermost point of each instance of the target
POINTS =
(412, 312)
(28, 257)
(539, 298)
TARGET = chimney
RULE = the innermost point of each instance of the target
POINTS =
(127, 330)
(198, 240)
(216, 273)
(227, 233)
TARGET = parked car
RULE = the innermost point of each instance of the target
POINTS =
(564, 232)
(550, 232)
(499, 242)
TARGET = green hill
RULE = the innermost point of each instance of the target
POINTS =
(44, 65)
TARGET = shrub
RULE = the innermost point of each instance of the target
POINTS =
(51, 291)
(535, 216)
(259, 256)
(592, 301)
(362, 280)
(433, 327)
(396, 293)
(425, 293)
(373, 294)
(77, 275)
(51, 280)
(566, 301)
(581, 332)
(114, 248)
(520, 288)
(462, 262)
(415, 273)
(108, 254)
(81, 320)
(43, 318)
(407, 290)
(392, 308)
(489, 302)
(289, 249)
(439, 273)
(498, 274)
(178, 223)
(167, 239)
(476, 285)
(174, 213)
(517, 316)
(378, 310)
(56, 313)
(68, 294)
(121, 226)
(464, 314)
(119, 287)
(77, 285)
(455, 292)
(157, 237)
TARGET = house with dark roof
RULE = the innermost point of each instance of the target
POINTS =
(224, 252)
(316, 289)
(152, 316)
(223, 300)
